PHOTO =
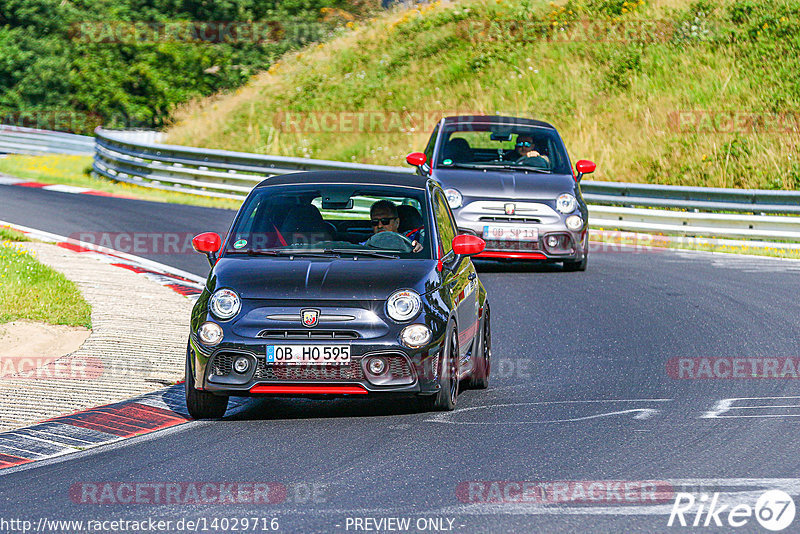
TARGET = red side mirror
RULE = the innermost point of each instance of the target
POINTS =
(416, 159)
(468, 245)
(585, 166)
(207, 243)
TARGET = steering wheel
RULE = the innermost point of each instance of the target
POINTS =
(535, 161)
(390, 241)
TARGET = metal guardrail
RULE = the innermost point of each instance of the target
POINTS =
(718, 212)
(215, 173)
(700, 198)
(19, 140)
(728, 225)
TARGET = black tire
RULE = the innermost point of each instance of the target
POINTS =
(483, 356)
(202, 404)
(445, 400)
(572, 266)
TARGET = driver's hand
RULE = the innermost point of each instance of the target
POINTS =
(417, 246)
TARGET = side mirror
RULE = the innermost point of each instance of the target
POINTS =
(208, 243)
(468, 245)
(416, 159)
(584, 166)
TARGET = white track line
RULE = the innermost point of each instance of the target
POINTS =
(144, 262)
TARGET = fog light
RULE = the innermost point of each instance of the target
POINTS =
(574, 222)
(376, 366)
(209, 333)
(241, 364)
(552, 241)
(415, 336)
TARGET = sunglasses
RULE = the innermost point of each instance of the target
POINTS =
(526, 144)
(383, 221)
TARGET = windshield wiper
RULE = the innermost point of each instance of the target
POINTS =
(513, 167)
(458, 166)
(369, 253)
(283, 253)
(317, 253)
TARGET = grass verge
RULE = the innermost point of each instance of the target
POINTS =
(9, 234)
(700, 93)
(76, 170)
(30, 290)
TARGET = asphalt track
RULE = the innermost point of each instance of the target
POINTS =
(580, 392)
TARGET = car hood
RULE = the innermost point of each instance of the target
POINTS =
(506, 184)
(322, 279)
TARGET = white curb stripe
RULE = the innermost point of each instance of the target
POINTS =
(198, 281)
(66, 188)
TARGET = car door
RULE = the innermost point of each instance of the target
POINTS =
(459, 278)
(470, 304)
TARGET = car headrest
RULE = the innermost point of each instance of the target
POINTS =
(410, 219)
(458, 150)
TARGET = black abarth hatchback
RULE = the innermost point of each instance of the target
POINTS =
(339, 283)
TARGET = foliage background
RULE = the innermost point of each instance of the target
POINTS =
(49, 73)
(614, 98)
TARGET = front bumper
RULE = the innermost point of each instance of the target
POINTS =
(572, 244)
(474, 218)
(408, 371)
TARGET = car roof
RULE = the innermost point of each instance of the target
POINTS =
(348, 177)
(490, 119)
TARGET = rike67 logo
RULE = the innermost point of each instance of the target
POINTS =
(774, 511)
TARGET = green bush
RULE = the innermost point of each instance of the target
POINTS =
(51, 61)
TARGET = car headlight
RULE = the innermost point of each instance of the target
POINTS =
(403, 305)
(454, 198)
(415, 336)
(209, 333)
(566, 203)
(574, 222)
(225, 303)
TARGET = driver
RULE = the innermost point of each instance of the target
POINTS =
(384, 217)
(523, 149)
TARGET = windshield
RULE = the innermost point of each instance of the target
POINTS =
(341, 220)
(503, 146)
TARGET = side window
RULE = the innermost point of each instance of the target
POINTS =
(444, 222)
(431, 143)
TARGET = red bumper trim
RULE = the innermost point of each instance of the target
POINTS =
(512, 255)
(308, 390)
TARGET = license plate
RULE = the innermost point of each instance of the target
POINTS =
(510, 233)
(308, 354)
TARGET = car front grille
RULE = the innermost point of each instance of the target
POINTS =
(309, 372)
(399, 368)
(308, 334)
(223, 363)
(511, 220)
